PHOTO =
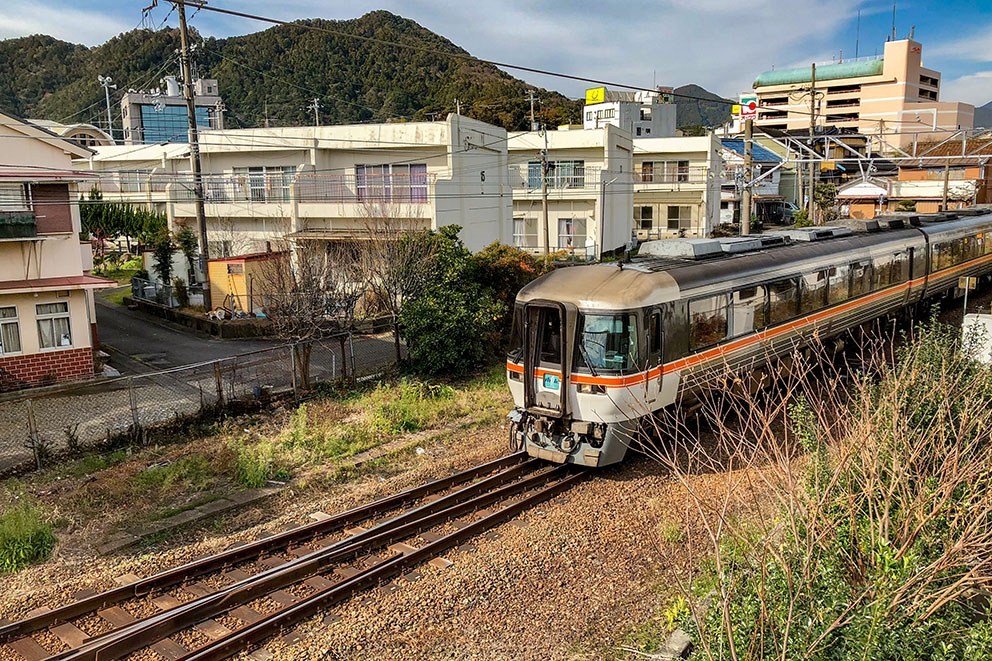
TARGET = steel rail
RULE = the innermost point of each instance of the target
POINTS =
(132, 637)
(252, 635)
(177, 575)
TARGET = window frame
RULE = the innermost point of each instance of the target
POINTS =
(51, 317)
(694, 348)
(14, 321)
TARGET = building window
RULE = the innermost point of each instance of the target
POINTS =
(679, 217)
(647, 131)
(638, 130)
(665, 171)
(570, 229)
(133, 181)
(561, 174)
(259, 184)
(520, 237)
(169, 123)
(53, 325)
(644, 217)
(396, 183)
(10, 331)
(645, 114)
(219, 249)
(12, 198)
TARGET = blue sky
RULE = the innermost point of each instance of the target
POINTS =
(719, 44)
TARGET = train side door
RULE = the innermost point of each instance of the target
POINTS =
(655, 340)
(545, 376)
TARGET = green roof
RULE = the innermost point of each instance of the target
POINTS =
(824, 72)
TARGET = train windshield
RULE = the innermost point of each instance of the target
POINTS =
(607, 342)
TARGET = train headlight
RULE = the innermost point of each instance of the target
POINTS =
(591, 389)
(514, 376)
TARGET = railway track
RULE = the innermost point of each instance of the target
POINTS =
(220, 605)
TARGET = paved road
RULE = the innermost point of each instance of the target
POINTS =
(139, 342)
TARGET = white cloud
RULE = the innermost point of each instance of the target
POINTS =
(974, 88)
(974, 47)
(19, 18)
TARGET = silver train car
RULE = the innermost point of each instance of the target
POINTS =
(596, 350)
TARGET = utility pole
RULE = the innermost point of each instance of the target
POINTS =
(533, 124)
(812, 163)
(544, 192)
(106, 82)
(194, 151)
(746, 192)
(315, 106)
(947, 176)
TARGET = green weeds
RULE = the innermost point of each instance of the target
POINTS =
(25, 537)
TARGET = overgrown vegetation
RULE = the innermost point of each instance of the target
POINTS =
(462, 317)
(864, 529)
(25, 536)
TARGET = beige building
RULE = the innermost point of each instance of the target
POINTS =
(329, 183)
(676, 186)
(47, 320)
(892, 95)
(590, 194)
(85, 135)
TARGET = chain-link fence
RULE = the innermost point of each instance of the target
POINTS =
(37, 430)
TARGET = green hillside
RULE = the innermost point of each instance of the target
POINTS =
(276, 72)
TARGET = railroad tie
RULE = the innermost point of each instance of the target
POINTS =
(272, 561)
(319, 583)
(246, 614)
(198, 589)
(29, 649)
(69, 634)
(299, 551)
(404, 549)
(212, 628)
(167, 648)
(282, 598)
(354, 531)
(126, 579)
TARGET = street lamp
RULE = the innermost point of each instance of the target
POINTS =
(107, 86)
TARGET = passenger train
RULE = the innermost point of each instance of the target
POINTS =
(596, 349)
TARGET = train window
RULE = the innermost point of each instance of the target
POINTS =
(549, 339)
(884, 271)
(941, 258)
(900, 267)
(707, 321)
(654, 334)
(838, 284)
(969, 248)
(814, 292)
(955, 248)
(748, 310)
(607, 342)
(783, 299)
(516, 350)
(860, 278)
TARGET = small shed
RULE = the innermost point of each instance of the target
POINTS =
(238, 283)
(863, 198)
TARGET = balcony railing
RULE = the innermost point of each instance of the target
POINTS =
(682, 175)
(18, 225)
(313, 188)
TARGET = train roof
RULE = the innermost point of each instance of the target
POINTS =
(666, 269)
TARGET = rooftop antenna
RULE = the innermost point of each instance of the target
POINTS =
(857, 38)
(893, 20)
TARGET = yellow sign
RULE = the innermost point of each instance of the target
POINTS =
(967, 283)
(735, 109)
(596, 95)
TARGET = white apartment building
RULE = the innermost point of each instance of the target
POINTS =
(642, 114)
(590, 195)
(47, 318)
(766, 196)
(676, 186)
(327, 183)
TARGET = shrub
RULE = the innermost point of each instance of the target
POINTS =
(162, 250)
(254, 465)
(801, 219)
(25, 537)
(906, 205)
(181, 292)
(192, 471)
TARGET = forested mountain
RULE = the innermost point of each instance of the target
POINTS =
(275, 73)
(983, 116)
(713, 111)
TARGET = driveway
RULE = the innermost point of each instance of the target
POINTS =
(140, 343)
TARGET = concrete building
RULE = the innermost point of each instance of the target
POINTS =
(590, 194)
(47, 319)
(160, 115)
(676, 186)
(642, 114)
(327, 183)
(85, 135)
(891, 94)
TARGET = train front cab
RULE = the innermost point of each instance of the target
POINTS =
(566, 370)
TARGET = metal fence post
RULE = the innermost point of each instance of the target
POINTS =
(351, 347)
(219, 379)
(135, 420)
(292, 364)
(33, 434)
